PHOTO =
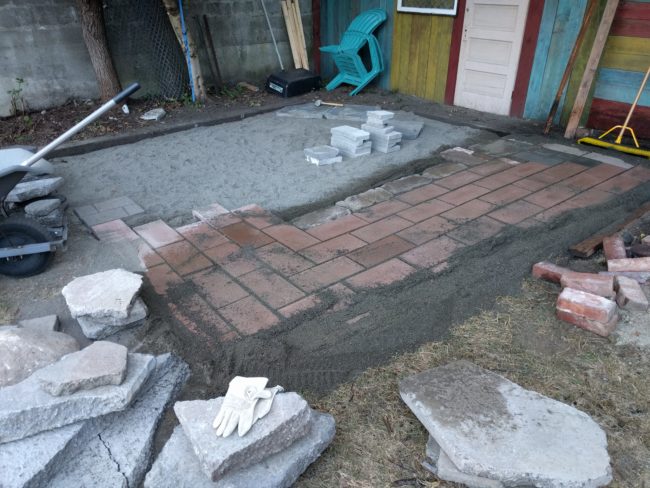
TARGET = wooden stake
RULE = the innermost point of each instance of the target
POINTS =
(591, 68)
(303, 43)
(292, 43)
(296, 29)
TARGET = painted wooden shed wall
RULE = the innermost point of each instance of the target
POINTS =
(336, 16)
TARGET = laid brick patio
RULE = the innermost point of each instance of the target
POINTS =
(246, 270)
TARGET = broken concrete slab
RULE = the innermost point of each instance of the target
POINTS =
(440, 465)
(23, 351)
(317, 217)
(287, 421)
(120, 447)
(378, 131)
(101, 363)
(352, 113)
(177, 464)
(409, 129)
(25, 409)
(53, 219)
(154, 114)
(108, 294)
(48, 323)
(322, 155)
(463, 156)
(29, 190)
(303, 111)
(493, 428)
(101, 328)
(365, 199)
(406, 183)
(43, 207)
(442, 170)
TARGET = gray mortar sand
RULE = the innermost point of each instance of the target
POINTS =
(257, 160)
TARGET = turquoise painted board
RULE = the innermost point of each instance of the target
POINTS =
(559, 29)
(621, 86)
(336, 16)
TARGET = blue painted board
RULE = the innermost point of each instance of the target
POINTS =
(621, 86)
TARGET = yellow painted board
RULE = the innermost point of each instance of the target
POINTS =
(626, 53)
(427, 50)
(444, 47)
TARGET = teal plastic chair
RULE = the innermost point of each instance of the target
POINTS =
(346, 55)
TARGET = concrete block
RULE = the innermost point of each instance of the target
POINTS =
(549, 271)
(629, 264)
(349, 133)
(380, 131)
(23, 351)
(365, 199)
(103, 327)
(101, 363)
(105, 295)
(389, 149)
(29, 190)
(405, 184)
(351, 113)
(629, 295)
(410, 130)
(364, 151)
(322, 155)
(119, 448)
(25, 409)
(380, 115)
(492, 428)
(614, 247)
(49, 323)
(343, 143)
(589, 282)
(288, 420)
(177, 464)
(43, 207)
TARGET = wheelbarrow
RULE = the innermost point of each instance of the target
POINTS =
(26, 246)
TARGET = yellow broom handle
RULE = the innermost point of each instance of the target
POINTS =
(636, 100)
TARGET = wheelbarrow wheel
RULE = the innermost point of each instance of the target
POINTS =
(18, 231)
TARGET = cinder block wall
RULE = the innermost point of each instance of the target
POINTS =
(41, 42)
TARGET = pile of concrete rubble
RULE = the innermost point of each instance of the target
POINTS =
(36, 196)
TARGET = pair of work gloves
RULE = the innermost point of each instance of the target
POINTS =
(247, 400)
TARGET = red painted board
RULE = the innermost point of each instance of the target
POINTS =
(454, 53)
(632, 20)
(531, 33)
(605, 114)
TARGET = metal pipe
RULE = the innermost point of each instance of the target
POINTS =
(188, 54)
(116, 100)
(275, 44)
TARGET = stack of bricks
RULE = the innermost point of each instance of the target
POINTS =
(384, 137)
(350, 141)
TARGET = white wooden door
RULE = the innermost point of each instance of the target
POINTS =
(489, 54)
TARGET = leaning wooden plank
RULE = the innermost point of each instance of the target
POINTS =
(301, 35)
(292, 42)
(590, 245)
(591, 68)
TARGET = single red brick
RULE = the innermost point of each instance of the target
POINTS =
(605, 171)
(249, 316)
(326, 274)
(630, 295)
(600, 328)
(620, 184)
(333, 248)
(549, 271)
(271, 288)
(382, 274)
(382, 228)
(432, 253)
(114, 231)
(468, 211)
(425, 210)
(344, 224)
(614, 247)
(202, 235)
(422, 194)
(246, 235)
(233, 259)
(158, 234)
(380, 251)
(283, 259)
(184, 257)
(589, 198)
(457, 180)
(291, 236)
(218, 288)
(515, 212)
(463, 194)
(381, 210)
(162, 278)
(629, 264)
(426, 230)
(591, 283)
(587, 305)
(582, 181)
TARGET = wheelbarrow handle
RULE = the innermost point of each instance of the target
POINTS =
(126, 93)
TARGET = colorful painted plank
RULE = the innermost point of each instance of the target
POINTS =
(627, 53)
(605, 114)
(621, 86)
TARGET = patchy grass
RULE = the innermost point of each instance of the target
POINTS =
(380, 443)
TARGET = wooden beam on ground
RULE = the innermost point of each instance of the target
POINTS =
(590, 245)
(591, 68)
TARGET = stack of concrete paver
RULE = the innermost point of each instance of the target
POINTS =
(274, 453)
(105, 303)
(384, 137)
(87, 419)
(592, 300)
(320, 155)
(487, 432)
(350, 141)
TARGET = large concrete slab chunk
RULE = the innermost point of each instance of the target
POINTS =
(48, 323)
(25, 409)
(178, 466)
(108, 294)
(410, 129)
(101, 363)
(287, 421)
(119, 449)
(492, 428)
(23, 351)
(29, 190)
(94, 328)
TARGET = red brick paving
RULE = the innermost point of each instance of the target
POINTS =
(427, 230)
(257, 216)
(516, 212)
(336, 227)
(326, 274)
(283, 259)
(158, 234)
(422, 194)
(550, 196)
(162, 278)
(184, 258)
(457, 180)
(468, 211)
(199, 317)
(477, 230)
(505, 195)
(271, 288)
(114, 231)
(425, 210)
(381, 210)
(300, 306)
(380, 251)
(382, 274)
(382, 228)
(249, 315)
(217, 287)
(291, 236)
(487, 169)
(246, 235)
(338, 246)
(463, 194)
(432, 253)
(233, 259)
(620, 184)
(202, 235)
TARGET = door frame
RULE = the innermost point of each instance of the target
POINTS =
(526, 57)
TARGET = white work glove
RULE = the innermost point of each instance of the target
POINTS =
(238, 410)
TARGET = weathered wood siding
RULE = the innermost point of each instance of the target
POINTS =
(421, 45)
(336, 16)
